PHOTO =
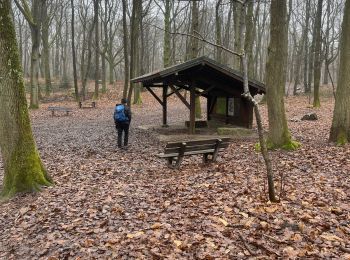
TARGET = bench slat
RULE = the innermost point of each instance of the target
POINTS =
(198, 142)
(59, 109)
(195, 148)
(209, 151)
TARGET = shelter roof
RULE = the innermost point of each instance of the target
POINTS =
(205, 73)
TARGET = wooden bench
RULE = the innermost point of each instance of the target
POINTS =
(174, 152)
(59, 109)
(87, 104)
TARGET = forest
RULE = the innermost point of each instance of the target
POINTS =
(249, 98)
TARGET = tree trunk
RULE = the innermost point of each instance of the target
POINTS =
(276, 75)
(46, 50)
(34, 68)
(317, 62)
(306, 46)
(126, 51)
(134, 50)
(87, 69)
(167, 36)
(195, 48)
(311, 61)
(237, 18)
(340, 130)
(34, 19)
(97, 49)
(218, 31)
(249, 39)
(76, 90)
(24, 171)
(248, 96)
(103, 74)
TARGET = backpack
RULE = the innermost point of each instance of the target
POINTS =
(119, 114)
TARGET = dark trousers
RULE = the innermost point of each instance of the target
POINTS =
(123, 127)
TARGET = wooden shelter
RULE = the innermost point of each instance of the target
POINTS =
(205, 77)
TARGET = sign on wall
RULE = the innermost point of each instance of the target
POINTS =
(231, 107)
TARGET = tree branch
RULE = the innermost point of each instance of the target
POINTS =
(25, 10)
(201, 38)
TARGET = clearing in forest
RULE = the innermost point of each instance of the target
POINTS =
(122, 205)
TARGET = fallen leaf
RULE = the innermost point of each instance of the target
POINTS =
(137, 234)
(157, 225)
(224, 222)
(245, 215)
(178, 243)
(331, 237)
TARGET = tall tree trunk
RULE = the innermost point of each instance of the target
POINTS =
(23, 169)
(34, 19)
(195, 48)
(226, 40)
(311, 61)
(57, 56)
(218, 30)
(340, 130)
(248, 96)
(279, 135)
(75, 76)
(317, 62)
(34, 68)
(249, 38)
(306, 46)
(167, 36)
(237, 17)
(103, 74)
(134, 50)
(64, 57)
(126, 50)
(97, 49)
(86, 69)
(46, 50)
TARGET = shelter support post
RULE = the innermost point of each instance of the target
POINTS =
(165, 106)
(209, 100)
(192, 109)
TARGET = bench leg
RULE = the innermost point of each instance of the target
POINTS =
(52, 112)
(216, 150)
(170, 162)
(205, 158)
(178, 162)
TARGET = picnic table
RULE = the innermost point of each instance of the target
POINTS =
(86, 104)
(67, 110)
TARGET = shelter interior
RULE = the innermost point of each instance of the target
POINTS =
(221, 85)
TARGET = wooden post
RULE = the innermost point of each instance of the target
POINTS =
(209, 100)
(192, 109)
(165, 106)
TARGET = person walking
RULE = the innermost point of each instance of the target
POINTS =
(122, 119)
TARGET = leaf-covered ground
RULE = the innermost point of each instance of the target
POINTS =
(111, 204)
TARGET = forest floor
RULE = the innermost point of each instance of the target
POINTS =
(112, 204)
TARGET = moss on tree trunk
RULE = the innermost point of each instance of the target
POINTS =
(24, 171)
